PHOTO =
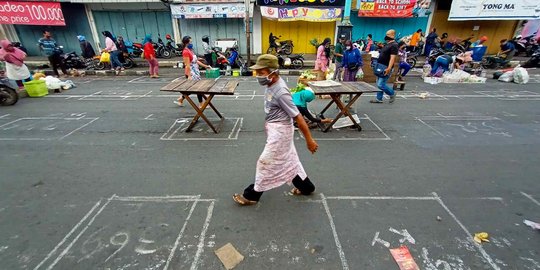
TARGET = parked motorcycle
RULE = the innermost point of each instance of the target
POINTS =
(295, 61)
(8, 94)
(71, 59)
(527, 45)
(276, 47)
(161, 49)
(175, 48)
(127, 63)
(462, 46)
(534, 61)
(135, 50)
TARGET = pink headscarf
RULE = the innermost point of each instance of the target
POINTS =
(11, 55)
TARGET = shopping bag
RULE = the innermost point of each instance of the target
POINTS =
(105, 57)
(360, 74)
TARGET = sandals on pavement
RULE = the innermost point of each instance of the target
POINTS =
(239, 198)
(296, 192)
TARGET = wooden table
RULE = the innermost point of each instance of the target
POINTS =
(356, 89)
(208, 89)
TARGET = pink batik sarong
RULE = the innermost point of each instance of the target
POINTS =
(279, 162)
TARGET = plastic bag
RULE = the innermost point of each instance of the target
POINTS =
(52, 83)
(105, 57)
(521, 76)
(360, 74)
(507, 76)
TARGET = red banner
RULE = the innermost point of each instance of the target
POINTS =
(387, 8)
(33, 13)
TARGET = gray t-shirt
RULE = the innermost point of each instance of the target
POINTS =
(278, 104)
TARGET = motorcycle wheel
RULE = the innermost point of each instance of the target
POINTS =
(287, 50)
(412, 61)
(98, 65)
(166, 53)
(129, 63)
(297, 64)
(8, 96)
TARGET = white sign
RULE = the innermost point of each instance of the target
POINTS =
(463, 10)
(201, 11)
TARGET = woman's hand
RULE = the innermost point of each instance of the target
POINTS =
(312, 146)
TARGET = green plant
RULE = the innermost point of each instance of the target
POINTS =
(299, 87)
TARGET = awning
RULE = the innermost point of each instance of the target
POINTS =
(302, 14)
(465, 10)
(201, 11)
(31, 13)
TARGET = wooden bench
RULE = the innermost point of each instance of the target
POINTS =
(208, 89)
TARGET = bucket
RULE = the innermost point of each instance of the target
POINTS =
(236, 73)
(212, 73)
(36, 88)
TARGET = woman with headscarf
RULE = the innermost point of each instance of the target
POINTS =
(14, 58)
(352, 61)
(191, 67)
(110, 46)
(207, 50)
(321, 64)
(150, 56)
(147, 38)
(87, 51)
(301, 100)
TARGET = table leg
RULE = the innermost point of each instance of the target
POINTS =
(344, 110)
(327, 106)
(213, 108)
(200, 113)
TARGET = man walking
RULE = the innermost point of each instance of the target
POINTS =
(386, 61)
(279, 162)
(50, 48)
(338, 58)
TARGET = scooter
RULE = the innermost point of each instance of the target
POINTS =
(176, 50)
(8, 94)
(285, 47)
(134, 49)
(534, 61)
(98, 65)
(295, 61)
(71, 59)
(161, 49)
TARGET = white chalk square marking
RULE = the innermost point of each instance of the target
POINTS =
(202, 132)
(140, 232)
(42, 128)
(370, 132)
(148, 80)
(465, 126)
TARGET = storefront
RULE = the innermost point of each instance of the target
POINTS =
(26, 21)
(300, 21)
(406, 17)
(225, 20)
(497, 20)
(130, 20)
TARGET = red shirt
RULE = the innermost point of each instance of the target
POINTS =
(187, 53)
(149, 50)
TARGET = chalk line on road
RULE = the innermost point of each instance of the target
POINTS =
(530, 198)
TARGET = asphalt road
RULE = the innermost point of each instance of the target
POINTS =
(103, 177)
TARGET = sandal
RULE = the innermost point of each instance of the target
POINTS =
(296, 192)
(239, 198)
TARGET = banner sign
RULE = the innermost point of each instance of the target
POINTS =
(302, 14)
(297, 3)
(463, 10)
(387, 8)
(202, 11)
(32, 13)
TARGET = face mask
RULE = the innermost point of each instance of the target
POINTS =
(387, 38)
(348, 47)
(265, 80)
(190, 46)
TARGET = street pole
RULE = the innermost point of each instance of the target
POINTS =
(248, 33)
(346, 26)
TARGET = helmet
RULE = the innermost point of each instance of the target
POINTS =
(484, 38)
(168, 36)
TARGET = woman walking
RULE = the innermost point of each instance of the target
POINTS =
(321, 64)
(191, 64)
(352, 62)
(110, 46)
(150, 56)
(14, 58)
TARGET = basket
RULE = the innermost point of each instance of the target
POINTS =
(212, 73)
(236, 73)
(36, 88)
